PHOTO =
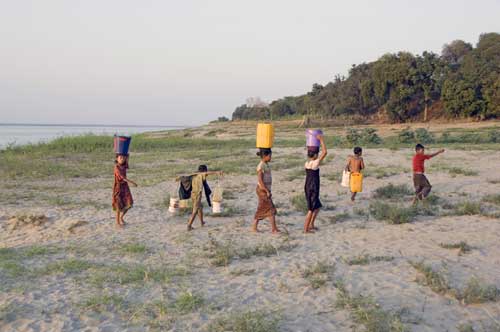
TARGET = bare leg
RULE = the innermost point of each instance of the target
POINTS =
(200, 214)
(353, 196)
(307, 222)
(313, 219)
(274, 229)
(118, 220)
(123, 215)
(191, 219)
(255, 226)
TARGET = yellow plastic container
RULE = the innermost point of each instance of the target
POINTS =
(265, 135)
(356, 182)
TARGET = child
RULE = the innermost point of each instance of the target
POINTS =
(198, 184)
(311, 186)
(265, 208)
(122, 198)
(422, 185)
(354, 165)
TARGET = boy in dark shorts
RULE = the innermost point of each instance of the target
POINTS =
(422, 185)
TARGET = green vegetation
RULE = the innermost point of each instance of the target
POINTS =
(247, 321)
(392, 191)
(102, 303)
(493, 198)
(134, 248)
(318, 274)
(435, 280)
(476, 292)
(299, 203)
(187, 302)
(391, 213)
(365, 259)
(462, 82)
(365, 311)
(462, 245)
(467, 208)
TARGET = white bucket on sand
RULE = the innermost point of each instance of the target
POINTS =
(172, 209)
(216, 207)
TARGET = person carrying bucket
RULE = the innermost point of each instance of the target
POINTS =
(198, 185)
(354, 165)
(122, 197)
(312, 183)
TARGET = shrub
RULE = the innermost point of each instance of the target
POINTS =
(467, 208)
(299, 203)
(475, 292)
(423, 136)
(406, 136)
(431, 278)
(392, 191)
(391, 213)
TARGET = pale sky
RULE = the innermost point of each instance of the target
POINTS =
(187, 62)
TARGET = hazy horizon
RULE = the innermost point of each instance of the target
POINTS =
(168, 64)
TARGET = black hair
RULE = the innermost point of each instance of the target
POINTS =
(358, 150)
(419, 147)
(264, 152)
(202, 168)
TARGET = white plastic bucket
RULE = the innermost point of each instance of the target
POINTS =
(174, 202)
(216, 207)
(173, 209)
(346, 176)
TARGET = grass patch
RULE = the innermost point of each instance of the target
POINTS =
(467, 208)
(69, 266)
(365, 259)
(428, 277)
(247, 321)
(223, 253)
(188, 302)
(477, 292)
(391, 191)
(130, 274)
(461, 171)
(295, 174)
(493, 198)
(392, 214)
(318, 274)
(340, 217)
(366, 312)
(134, 248)
(299, 203)
(103, 303)
(462, 246)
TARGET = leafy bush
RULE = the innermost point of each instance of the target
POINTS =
(423, 136)
(391, 213)
(366, 136)
(392, 191)
(406, 136)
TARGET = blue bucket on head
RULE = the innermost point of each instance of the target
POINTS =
(121, 144)
(311, 139)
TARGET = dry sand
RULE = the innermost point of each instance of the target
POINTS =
(54, 302)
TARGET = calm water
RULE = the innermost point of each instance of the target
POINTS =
(24, 134)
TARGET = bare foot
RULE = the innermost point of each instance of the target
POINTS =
(276, 231)
(314, 228)
(203, 223)
(309, 231)
(190, 228)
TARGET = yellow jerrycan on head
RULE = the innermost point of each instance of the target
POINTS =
(356, 182)
(265, 135)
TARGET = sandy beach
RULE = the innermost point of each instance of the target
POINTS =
(64, 266)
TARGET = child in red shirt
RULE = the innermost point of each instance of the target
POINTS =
(422, 185)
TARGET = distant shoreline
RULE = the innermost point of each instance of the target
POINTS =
(87, 125)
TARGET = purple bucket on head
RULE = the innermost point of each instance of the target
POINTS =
(121, 144)
(311, 139)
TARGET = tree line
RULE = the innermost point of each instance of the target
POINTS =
(462, 82)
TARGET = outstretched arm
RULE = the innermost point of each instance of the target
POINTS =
(436, 153)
